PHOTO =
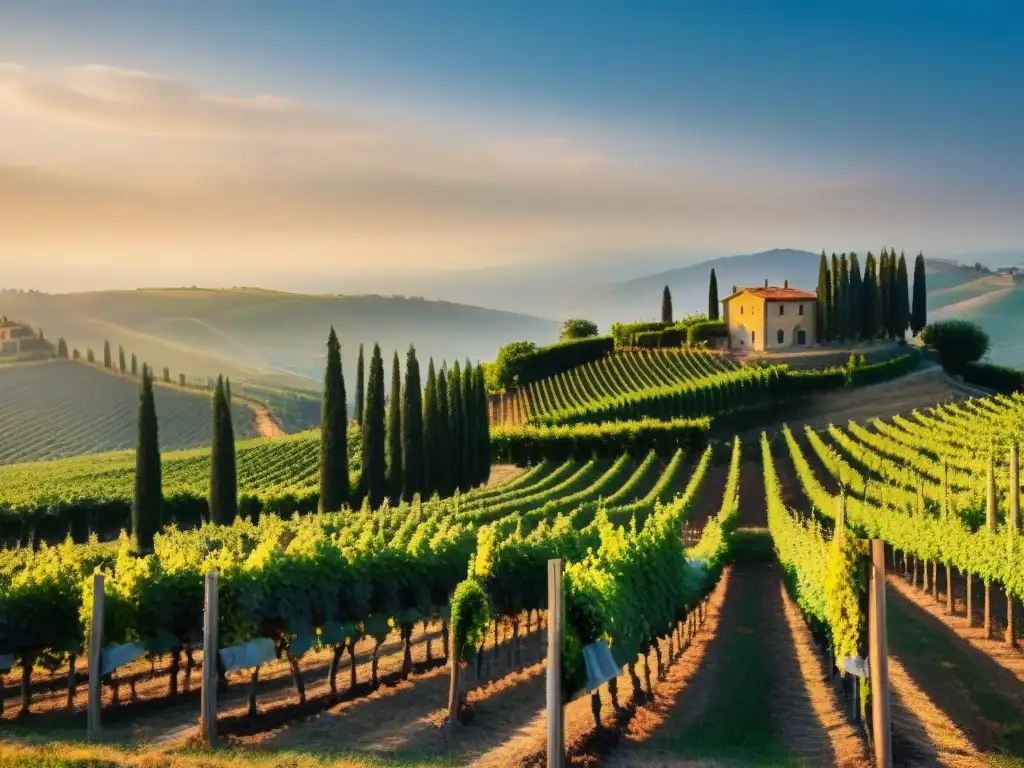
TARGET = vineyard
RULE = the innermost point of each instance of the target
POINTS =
(58, 409)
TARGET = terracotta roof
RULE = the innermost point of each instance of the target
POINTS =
(773, 293)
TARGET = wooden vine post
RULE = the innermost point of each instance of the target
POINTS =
(1014, 524)
(556, 734)
(990, 508)
(878, 658)
(208, 702)
(95, 659)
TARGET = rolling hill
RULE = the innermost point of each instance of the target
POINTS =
(58, 409)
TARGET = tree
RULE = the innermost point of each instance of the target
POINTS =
(666, 305)
(957, 342)
(483, 429)
(902, 298)
(62, 348)
(107, 360)
(577, 328)
(431, 457)
(120, 359)
(869, 298)
(445, 483)
(334, 482)
(147, 500)
(394, 431)
(919, 310)
(76, 355)
(843, 300)
(223, 478)
(135, 365)
(821, 306)
(833, 310)
(455, 421)
(90, 355)
(374, 479)
(467, 417)
(713, 305)
(506, 365)
(412, 428)
(856, 299)
(884, 293)
(360, 386)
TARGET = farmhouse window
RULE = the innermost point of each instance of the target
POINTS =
(801, 309)
(781, 336)
(782, 309)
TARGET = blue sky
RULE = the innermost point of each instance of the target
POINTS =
(808, 124)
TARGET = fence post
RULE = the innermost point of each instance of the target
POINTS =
(208, 702)
(556, 736)
(95, 659)
(878, 658)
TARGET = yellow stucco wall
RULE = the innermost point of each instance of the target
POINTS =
(754, 323)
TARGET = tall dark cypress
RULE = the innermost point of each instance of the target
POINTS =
(467, 398)
(856, 299)
(666, 306)
(455, 424)
(713, 311)
(120, 359)
(869, 291)
(374, 480)
(334, 481)
(833, 310)
(108, 361)
(394, 431)
(821, 306)
(885, 323)
(483, 428)
(902, 297)
(412, 428)
(135, 365)
(431, 455)
(360, 386)
(223, 477)
(445, 467)
(843, 300)
(147, 502)
(919, 309)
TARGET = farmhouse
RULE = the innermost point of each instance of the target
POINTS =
(769, 318)
(18, 339)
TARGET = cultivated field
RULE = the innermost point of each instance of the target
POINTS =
(57, 409)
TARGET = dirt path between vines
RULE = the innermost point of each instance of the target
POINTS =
(264, 423)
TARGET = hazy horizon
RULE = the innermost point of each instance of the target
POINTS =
(335, 144)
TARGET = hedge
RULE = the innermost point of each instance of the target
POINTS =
(558, 358)
(530, 443)
(625, 334)
(705, 331)
(668, 337)
(997, 377)
(892, 368)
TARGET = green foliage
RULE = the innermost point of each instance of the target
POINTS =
(713, 303)
(902, 319)
(863, 373)
(223, 474)
(121, 364)
(62, 348)
(530, 443)
(624, 334)
(577, 328)
(521, 363)
(482, 451)
(919, 307)
(957, 342)
(666, 306)
(373, 484)
(469, 425)
(823, 327)
(147, 500)
(445, 472)
(334, 478)
(996, 377)
(395, 476)
(107, 359)
(701, 333)
(360, 387)
(471, 613)
(432, 456)
(412, 428)
(506, 366)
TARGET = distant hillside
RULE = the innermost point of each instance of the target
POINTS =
(58, 409)
(269, 338)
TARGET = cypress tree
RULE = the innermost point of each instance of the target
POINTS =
(833, 310)
(412, 429)
(223, 482)
(869, 287)
(467, 417)
(821, 319)
(147, 501)
(360, 386)
(713, 311)
(445, 472)
(62, 348)
(885, 321)
(120, 359)
(843, 300)
(108, 361)
(431, 455)
(394, 431)
(902, 297)
(666, 306)
(856, 302)
(135, 365)
(334, 481)
(455, 424)
(919, 309)
(374, 480)
(90, 355)
(483, 448)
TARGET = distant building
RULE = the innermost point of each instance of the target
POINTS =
(19, 340)
(769, 318)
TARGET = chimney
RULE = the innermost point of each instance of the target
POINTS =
(766, 282)
(734, 289)
(786, 285)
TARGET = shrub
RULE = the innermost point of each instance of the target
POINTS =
(522, 363)
(997, 377)
(706, 330)
(506, 366)
(957, 342)
(530, 443)
(863, 374)
(667, 337)
(625, 334)
(577, 328)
